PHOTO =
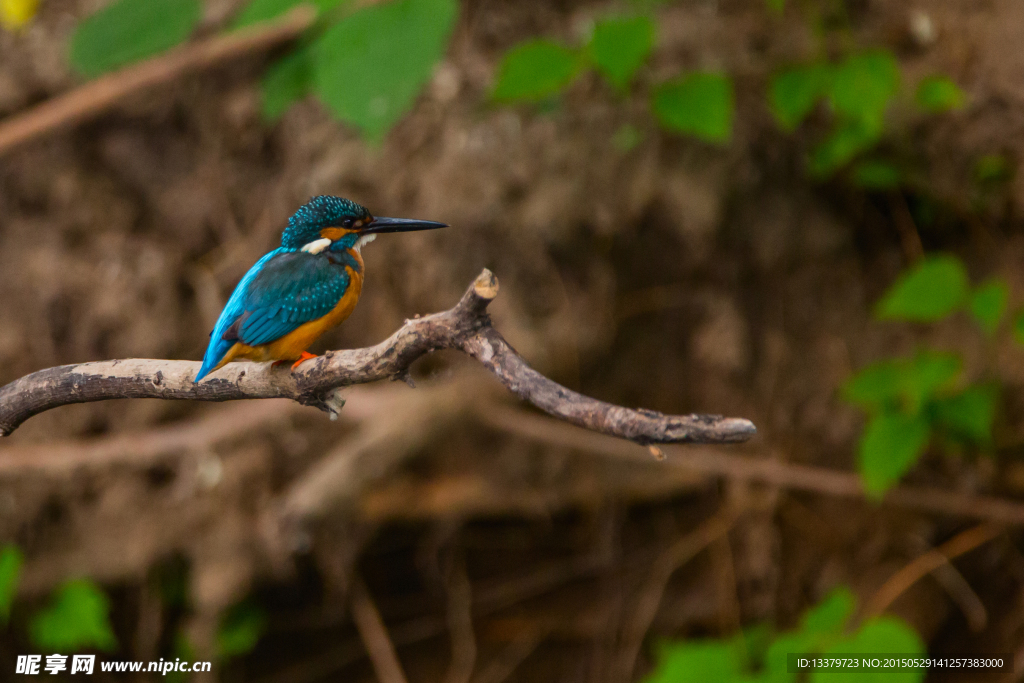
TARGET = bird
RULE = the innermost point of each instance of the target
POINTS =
(303, 288)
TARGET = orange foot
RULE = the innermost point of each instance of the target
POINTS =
(302, 359)
(306, 355)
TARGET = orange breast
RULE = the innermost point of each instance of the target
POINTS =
(291, 345)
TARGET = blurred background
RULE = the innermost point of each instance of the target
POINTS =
(806, 213)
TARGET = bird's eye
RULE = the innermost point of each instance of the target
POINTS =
(347, 223)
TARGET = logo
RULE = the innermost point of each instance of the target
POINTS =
(31, 664)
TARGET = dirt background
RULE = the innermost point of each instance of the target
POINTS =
(496, 544)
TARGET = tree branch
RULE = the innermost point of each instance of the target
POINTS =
(466, 327)
(96, 96)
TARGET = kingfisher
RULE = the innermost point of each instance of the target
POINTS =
(303, 288)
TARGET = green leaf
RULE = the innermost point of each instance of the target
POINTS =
(970, 413)
(699, 104)
(794, 92)
(889, 447)
(877, 635)
(848, 139)
(775, 663)
(902, 384)
(887, 635)
(988, 303)
(287, 81)
(819, 627)
(697, 661)
(863, 85)
(265, 10)
(619, 46)
(370, 66)
(992, 168)
(11, 560)
(129, 30)
(753, 642)
(929, 291)
(877, 386)
(938, 94)
(927, 374)
(832, 613)
(240, 630)
(76, 619)
(535, 70)
(873, 174)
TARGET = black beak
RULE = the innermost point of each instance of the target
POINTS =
(399, 225)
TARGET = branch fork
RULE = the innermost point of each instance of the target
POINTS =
(465, 327)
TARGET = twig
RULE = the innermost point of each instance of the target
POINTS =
(149, 622)
(772, 472)
(465, 327)
(961, 592)
(729, 620)
(467, 495)
(460, 625)
(95, 97)
(926, 563)
(375, 635)
(491, 597)
(143, 447)
(647, 603)
(380, 445)
(910, 238)
(514, 654)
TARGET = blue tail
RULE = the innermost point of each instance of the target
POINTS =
(214, 353)
(232, 309)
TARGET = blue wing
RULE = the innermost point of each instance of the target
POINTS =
(285, 289)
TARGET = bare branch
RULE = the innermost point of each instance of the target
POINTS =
(770, 471)
(928, 562)
(649, 600)
(96, 96)
(374, 635)
(466, 327)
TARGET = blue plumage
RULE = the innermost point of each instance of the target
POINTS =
(302, 281)
(232, 310)
(291, 289)
(285, 289)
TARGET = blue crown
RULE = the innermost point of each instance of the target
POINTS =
(320, 212)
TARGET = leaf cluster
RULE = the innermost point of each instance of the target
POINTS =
(858, 90)
(756, 656)
(367, 64)
(536, 70)
(77, 616)
(700, 103)
(912, 400)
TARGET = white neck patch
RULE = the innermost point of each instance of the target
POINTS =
(316, 246)
(365, 239)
